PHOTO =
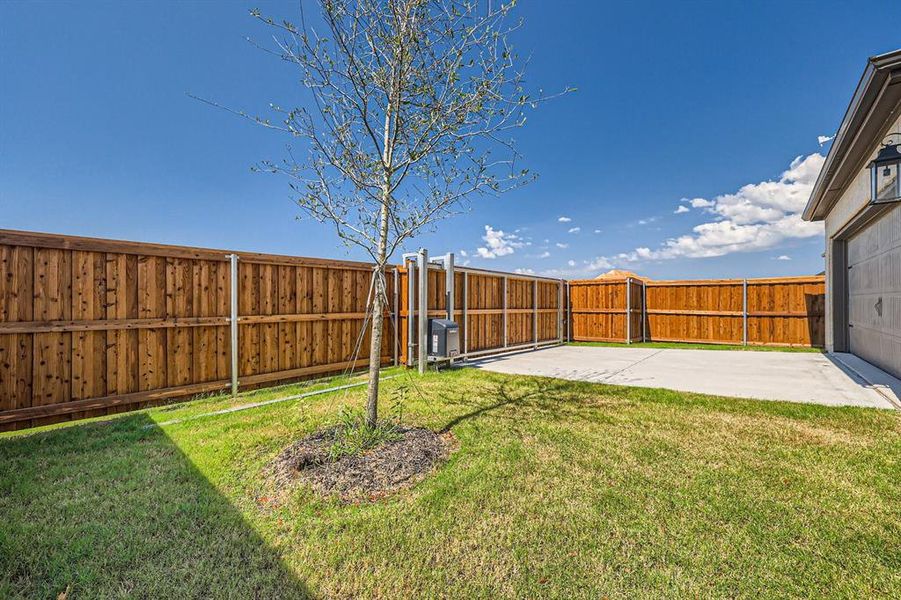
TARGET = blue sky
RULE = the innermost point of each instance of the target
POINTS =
(675, 100)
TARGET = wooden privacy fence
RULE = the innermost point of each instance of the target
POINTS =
(787, 311)
(604, 310)
(91, 327)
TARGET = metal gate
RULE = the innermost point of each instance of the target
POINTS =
(497, 311)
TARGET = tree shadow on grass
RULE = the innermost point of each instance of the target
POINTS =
(116, 509)
(552, 400)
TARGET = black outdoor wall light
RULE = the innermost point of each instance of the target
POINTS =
(884, 172)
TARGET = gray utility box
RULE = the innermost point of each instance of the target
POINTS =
(444, 339)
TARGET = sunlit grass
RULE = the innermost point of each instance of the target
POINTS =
(558, 489)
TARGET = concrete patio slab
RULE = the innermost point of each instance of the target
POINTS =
(795, 377)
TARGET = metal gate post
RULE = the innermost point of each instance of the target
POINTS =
(449, 290)
(644, 309)
(744, 312)
(505, 311)
(233, 320)
(423, 260)
(396, 314)
(569, 312)
(535, 312)
(465, 318)
(560, 335)
(449, 285)
(411, 306)
(628, 310)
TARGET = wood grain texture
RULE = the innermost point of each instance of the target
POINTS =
(781, 311)
(93, 327)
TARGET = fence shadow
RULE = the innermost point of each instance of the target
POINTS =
(118, 510)
(815, 305)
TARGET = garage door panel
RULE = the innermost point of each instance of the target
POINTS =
(890, 267)
(874, 292)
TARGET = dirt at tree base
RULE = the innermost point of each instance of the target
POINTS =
(368, 476)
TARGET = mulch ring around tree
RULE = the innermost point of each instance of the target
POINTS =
(373, 474)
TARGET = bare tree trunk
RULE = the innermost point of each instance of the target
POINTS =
(375, 356)
(378, 316)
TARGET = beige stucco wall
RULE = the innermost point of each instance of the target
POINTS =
(854, 199)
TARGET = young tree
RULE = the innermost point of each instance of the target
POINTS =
(411, 106)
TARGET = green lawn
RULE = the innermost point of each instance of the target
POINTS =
(558, 489)
(687, 346)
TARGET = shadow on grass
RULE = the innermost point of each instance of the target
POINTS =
(551, 399)
(118, 510)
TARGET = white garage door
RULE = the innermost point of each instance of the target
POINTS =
(874, 290)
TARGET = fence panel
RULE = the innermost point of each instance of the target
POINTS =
(598, 310)
(788, 311)
(93, 327)
(703, 311)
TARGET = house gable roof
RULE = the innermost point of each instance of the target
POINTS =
(875, 104)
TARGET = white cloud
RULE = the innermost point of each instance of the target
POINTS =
(699, 202)
(571, 263)
(597, 230)
(544, 254)
(598, 263)
(757, 217)
(682, 209)
(498, 243)
(783, 257)
(464, 253)
(559, 245)
(524, 271)
(823, 139)
(647, 221)
(575, 229)
(564, 219)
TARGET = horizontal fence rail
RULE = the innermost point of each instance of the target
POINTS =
(788, 311)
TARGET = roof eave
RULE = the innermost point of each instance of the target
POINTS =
(879, 73)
